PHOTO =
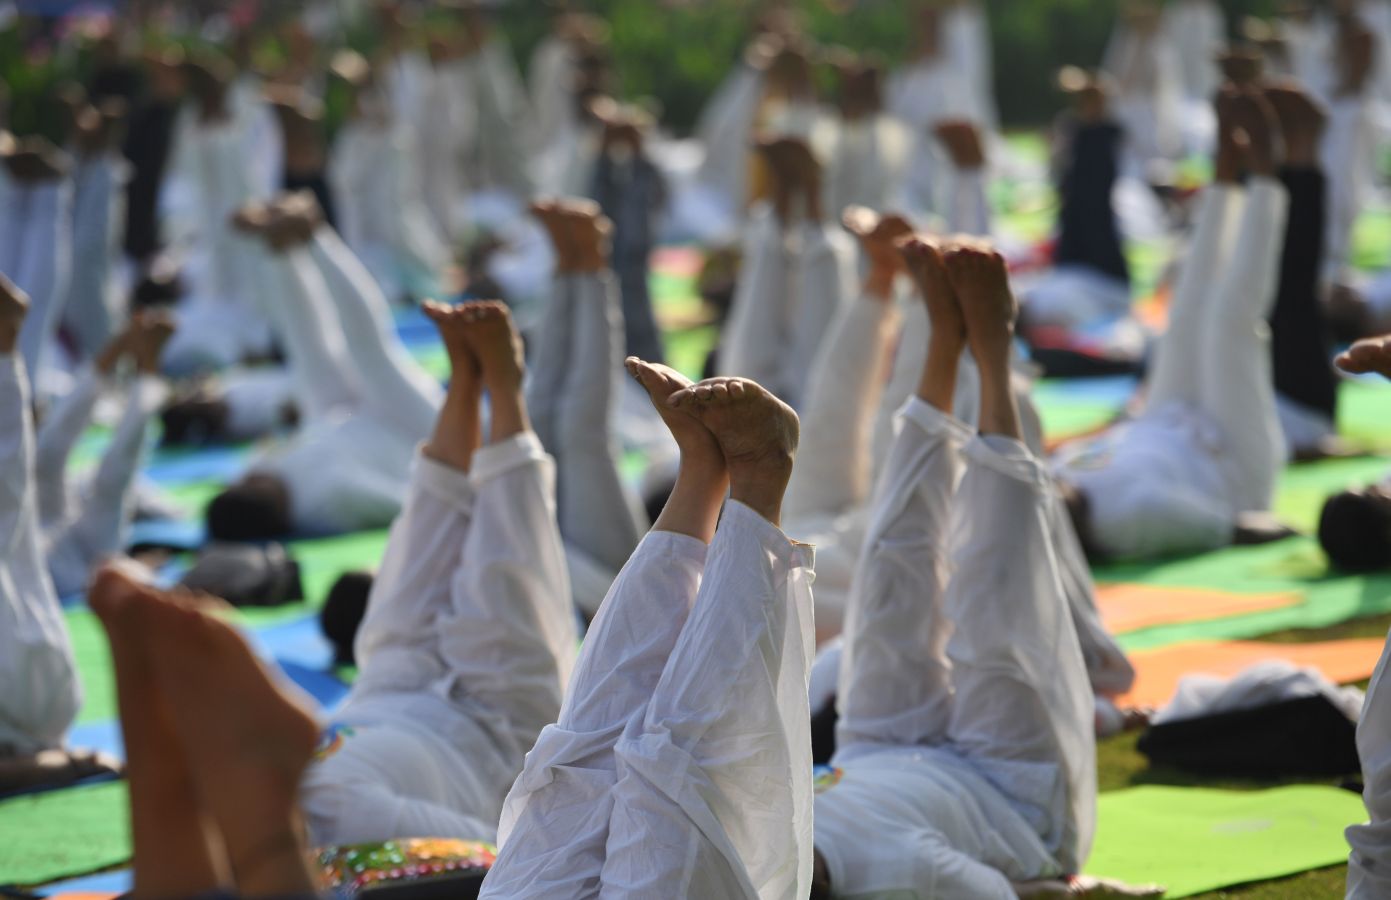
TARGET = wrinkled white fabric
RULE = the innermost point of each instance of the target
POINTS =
(39, 690)
(681, 764)
(463, 653)
(1208, 445)
(966, 754)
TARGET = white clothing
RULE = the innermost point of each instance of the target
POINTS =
(1197, 31)
(1074, 297)
(1260, 684)
(724, 130)
(381, 209)
(94, 302)
(1148, 75)
(788, 294)
(1349, 151)
(1369, 866)
(966, 42)
(865, 164)
(467, 642)
(572, 397)
(681, 763)
(966, 754)
(346, 468)
(36, 254)
(39, 689)
(84, 525)
(1208, 446)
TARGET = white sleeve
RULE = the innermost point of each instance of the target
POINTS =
(58, 435)
(16, 453)
(393, 384)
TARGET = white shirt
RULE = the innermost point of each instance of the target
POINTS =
(922, 824)
(1155, 486)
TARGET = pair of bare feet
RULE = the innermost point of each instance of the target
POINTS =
(1263, 125)
(579, 233)
(796, 178)
(731, 431)
(286, 222)
(142, 342)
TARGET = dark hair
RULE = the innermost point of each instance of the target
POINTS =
(1355, 531)
(820, 877)
(342, 613)
(195, 420)
(257, 508)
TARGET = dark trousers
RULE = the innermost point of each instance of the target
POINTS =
(1300, 340)
(1088, 234)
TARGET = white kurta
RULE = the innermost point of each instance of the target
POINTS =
(680, 766)
(39, 690)
(965, 755)
(467, 642)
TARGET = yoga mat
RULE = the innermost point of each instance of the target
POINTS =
(1130, 607)
(1157, 672)
(107, 884)
(59, 834)
(1193, 840)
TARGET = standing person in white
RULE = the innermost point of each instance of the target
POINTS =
(39, 690)
(469, 635)
(680, 765)
(966, 759)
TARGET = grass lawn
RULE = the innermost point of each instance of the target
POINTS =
(1120, 765)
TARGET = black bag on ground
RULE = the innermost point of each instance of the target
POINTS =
(1301, 736)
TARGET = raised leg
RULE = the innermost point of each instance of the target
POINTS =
(714, 794)
(1022, 694)
(1369, 867)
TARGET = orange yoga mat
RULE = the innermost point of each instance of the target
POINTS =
(1130, 607)
(1158, 671)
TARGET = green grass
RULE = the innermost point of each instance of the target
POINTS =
(1121, 765)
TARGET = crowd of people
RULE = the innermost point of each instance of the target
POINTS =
(853, 514)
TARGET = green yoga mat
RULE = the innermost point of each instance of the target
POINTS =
(44, 837)
(1193, 840)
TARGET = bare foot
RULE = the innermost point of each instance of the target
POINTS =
(452, 329)
(247, 740)
(963, 143)
(1242, 66)
(1368, 356)
(588, 233)
(548, 213)
(152, 331)
(878, 236)
(487, 327)
(1232, 142)
(253, 218)
(1253, 114)
(757, 434)
(1302, 120)
(696, 442)
(1090, 92)
(34, 159)
(988, 307)
(14, 306)
(928, 270)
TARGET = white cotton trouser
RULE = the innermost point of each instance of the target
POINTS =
(1369, 866)
(39, 690)
(788, 295)
(1215, 357)
(93, 303)
(467, 642)
(572, 396)
(959, 633)
(79, 536)
(1349, 159)
(37, 257)
(680, 766)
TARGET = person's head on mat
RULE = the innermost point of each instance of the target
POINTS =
(1355, 529)
(197, 418)
(343, 610)
(257, 508)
